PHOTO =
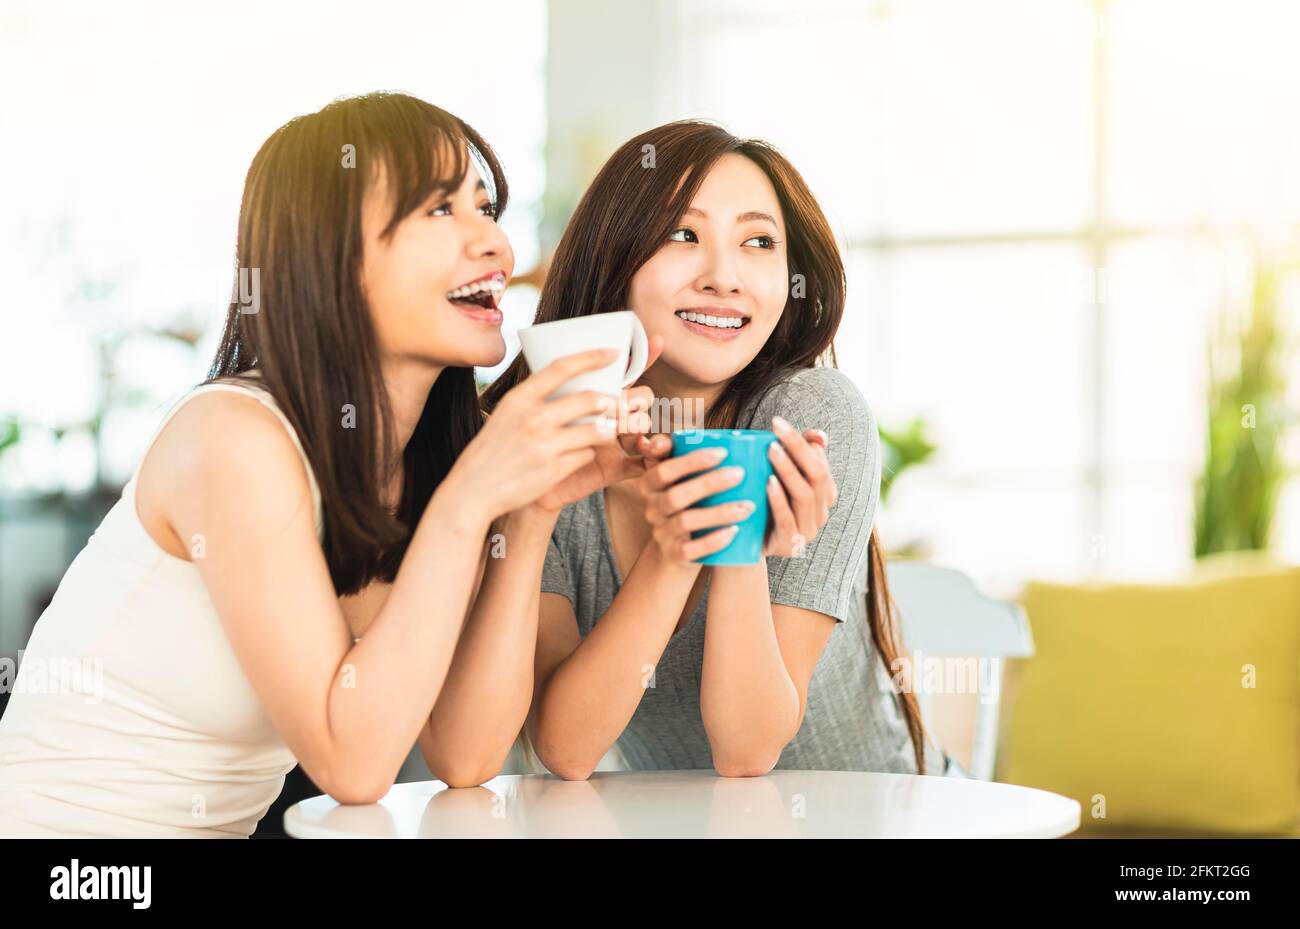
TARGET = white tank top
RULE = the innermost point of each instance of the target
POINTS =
(131, 715)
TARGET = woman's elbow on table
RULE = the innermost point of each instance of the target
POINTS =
(572, 772)
(350, 780)
(559, 763)
(565, 768)
(742, 766)
(466, 775)
(355, 790)
(462, 765)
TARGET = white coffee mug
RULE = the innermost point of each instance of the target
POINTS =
(545, 342)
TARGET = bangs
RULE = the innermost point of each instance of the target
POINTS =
(431, 151)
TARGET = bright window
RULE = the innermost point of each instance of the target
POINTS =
(1042, 203)
(128, 129)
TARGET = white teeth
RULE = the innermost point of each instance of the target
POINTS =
(717, 322)
(493, 284)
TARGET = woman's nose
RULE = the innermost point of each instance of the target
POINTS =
(487, 239)
(719, 274)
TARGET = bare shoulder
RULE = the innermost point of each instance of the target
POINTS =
(224, 448)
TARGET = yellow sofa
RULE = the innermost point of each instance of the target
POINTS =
(1163, 708)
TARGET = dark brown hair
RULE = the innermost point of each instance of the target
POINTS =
(311, 338)
(624, 218)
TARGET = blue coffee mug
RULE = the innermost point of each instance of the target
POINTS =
(746, 448)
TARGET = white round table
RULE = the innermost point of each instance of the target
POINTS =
(696, 804)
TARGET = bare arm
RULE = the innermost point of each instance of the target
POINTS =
(759, 657)
(478, 714)
(490, 687)
(587, 690)
(758, 661)
(349, 712)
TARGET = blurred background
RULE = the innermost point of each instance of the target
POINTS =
(1071, 230)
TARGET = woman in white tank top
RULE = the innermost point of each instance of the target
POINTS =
(298, 568)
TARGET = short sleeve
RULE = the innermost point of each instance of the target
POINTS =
(830, 572)
(556, 578)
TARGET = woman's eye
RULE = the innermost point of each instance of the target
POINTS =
(766, 241)
(444, 209)
(680, 235)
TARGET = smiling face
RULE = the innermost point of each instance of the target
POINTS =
(718, 286)
(433, 285)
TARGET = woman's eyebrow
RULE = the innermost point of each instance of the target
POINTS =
(446, 189)
(740, 217)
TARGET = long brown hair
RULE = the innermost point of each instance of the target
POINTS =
(629, 211)
(311, 338)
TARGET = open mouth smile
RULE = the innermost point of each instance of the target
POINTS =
(482, 292)
(479, 298)
(714, 322)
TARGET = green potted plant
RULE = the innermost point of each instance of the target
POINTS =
(1246, 416)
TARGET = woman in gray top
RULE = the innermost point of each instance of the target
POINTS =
(721, 250)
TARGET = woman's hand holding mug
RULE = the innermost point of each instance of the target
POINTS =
(528, 445)
(670, 493)
(613, 462)
(799, 499)
(801, 491)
